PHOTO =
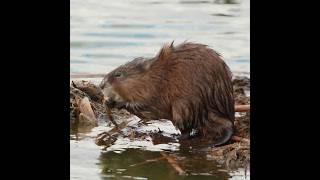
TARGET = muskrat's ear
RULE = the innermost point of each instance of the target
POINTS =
(148, 63)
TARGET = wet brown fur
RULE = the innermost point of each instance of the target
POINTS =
(188, 84)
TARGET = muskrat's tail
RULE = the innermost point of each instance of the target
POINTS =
(218, 128)
(226, 135)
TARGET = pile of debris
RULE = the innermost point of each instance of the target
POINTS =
(86, 107)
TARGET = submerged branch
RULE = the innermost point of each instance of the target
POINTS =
(173, 163)
(148, 161)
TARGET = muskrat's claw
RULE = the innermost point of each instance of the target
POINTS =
(110, 103)
(120, 105)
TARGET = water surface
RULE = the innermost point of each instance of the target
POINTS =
(105, 34)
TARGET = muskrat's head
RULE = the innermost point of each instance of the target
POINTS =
(117, 85)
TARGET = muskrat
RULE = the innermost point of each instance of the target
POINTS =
(188, 84)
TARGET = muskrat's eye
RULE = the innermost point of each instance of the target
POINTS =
(117, 74)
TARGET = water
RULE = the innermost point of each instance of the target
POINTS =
(106, 34)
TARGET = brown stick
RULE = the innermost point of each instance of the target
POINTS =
(242, 108)
(173, 163)
(109, 113)
(240, 139)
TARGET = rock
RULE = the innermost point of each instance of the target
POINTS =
(86, 110)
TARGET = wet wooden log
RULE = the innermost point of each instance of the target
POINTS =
(242, 108)
(240, 139)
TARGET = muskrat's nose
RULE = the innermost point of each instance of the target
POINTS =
(103, 84)
(105, 88)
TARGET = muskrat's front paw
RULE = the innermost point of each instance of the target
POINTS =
(114, 104)
(120, 105)
(110, 103)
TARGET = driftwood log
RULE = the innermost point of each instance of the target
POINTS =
(242, 108)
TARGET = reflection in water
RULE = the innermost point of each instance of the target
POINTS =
(134, 163)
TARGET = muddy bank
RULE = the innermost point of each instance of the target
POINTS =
(87, 109)
(241, 89)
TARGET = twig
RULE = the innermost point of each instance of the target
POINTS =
(73, 84)
(242, 108)
(120, 126)
(148, 161)
(173, 163)
(109, 113)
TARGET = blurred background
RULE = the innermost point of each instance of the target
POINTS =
(106, 34)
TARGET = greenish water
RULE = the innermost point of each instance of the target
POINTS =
(117, 166)
(105, 34)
